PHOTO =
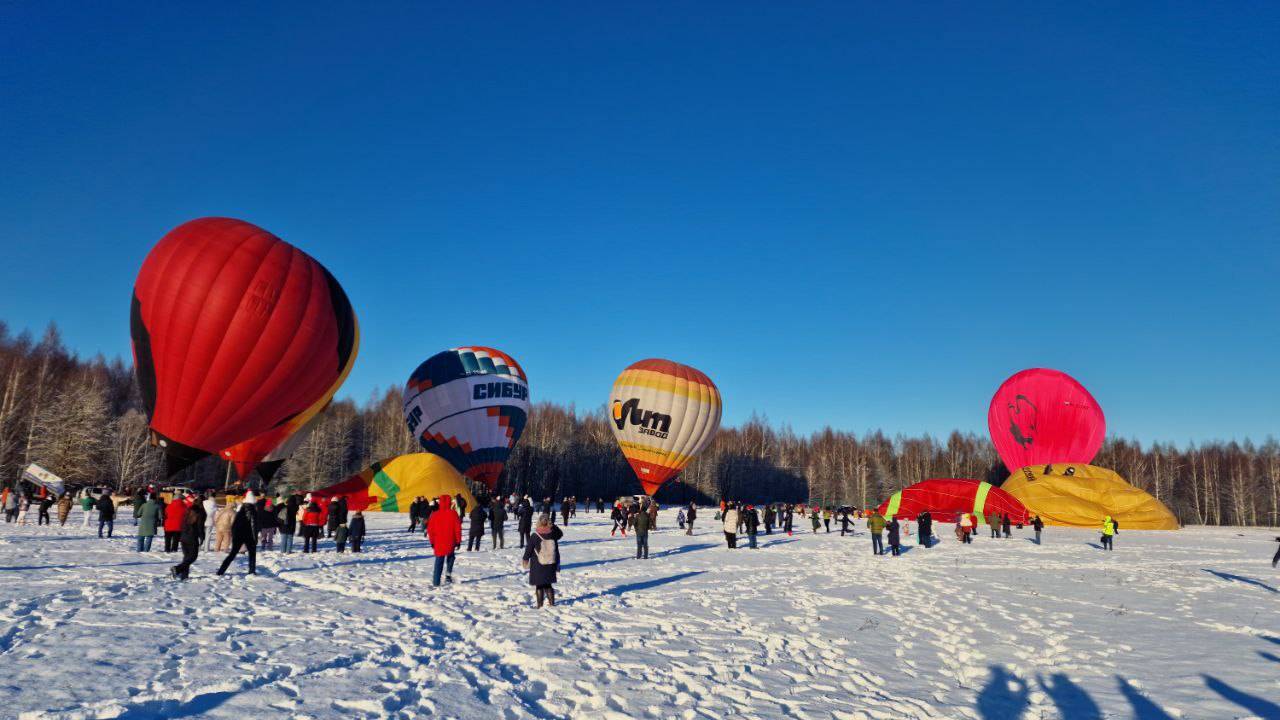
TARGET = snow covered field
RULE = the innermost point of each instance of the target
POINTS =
(1181, 625)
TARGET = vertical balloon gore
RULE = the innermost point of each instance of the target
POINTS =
(1041, 416)
(662, 414)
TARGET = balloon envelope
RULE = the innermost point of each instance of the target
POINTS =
(1042, 416)
(1079, 495)
(946, 498)
(662, 414)
(235, 332)
(391, 485)
(468, 405)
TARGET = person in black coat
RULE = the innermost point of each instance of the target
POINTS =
(477, 528)
(1038, 525)
(768, 519)
(355, 531)
(924, 526)
(751, 522)
(266, 526)
(1004, 526)
(244, 534)
(542, 559)
(895, 536)
(497, 520)
(191, 536)
(106, 513)
(524, 521)
(689, 516)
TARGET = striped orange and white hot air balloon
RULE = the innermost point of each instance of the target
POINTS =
(663, 415)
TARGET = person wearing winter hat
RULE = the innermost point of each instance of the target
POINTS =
(244, 534)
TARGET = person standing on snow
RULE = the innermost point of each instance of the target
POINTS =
(642, 535)
(288, 521)
(356, 531)
(731, 517)
(497, 524)
(64, 509)
(895, 535)
(924, 525)
(46, 502)
(1037, 524)
(86, 506)
(106, 514)
(244, 534)
(788, 512)
(174, 512)
(222, 526)
(875, 525)
(477, 528)
(445, 532)
(524, 520)
(210, 507)
(751, 523)
(1109, 529)
(191, 536)
(816, 520)
(1276, 560)
(689, 517)
(148, 516)
(844, 524)
(542, 560)
(1004, 526)
(966, 528)
(266, 526)
(312, 525)
(619, 520)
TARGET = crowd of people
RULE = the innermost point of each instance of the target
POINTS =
(190, 521)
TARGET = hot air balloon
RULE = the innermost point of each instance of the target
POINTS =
(235, 332)
(1041, 416)
(391, 485)
(1080, 495)
(468, 405)
(663, 414)
(946, 498)
(267, 452)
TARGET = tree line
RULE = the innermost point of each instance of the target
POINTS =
(82, 420)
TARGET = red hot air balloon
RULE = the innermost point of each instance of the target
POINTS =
(946, 498)
(235, 332)
(1043, 416)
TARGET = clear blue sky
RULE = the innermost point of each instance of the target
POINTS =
(863, 215)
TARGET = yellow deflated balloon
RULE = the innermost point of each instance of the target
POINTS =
(391, 485)
(1081, 495)
(663, 414)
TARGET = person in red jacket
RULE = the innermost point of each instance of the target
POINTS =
(445, 532)
(312, 522)
(173, 514)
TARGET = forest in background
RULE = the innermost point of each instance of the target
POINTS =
(82, 420)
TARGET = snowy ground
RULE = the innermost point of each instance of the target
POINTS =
(1181, 625)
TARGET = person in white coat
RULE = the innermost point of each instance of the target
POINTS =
(731, 525)
(210, 510)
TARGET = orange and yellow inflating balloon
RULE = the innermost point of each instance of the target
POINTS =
(663, 414)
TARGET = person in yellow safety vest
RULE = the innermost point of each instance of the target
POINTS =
(1109, 528)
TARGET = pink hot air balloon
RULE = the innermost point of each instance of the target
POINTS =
(1043, 416)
